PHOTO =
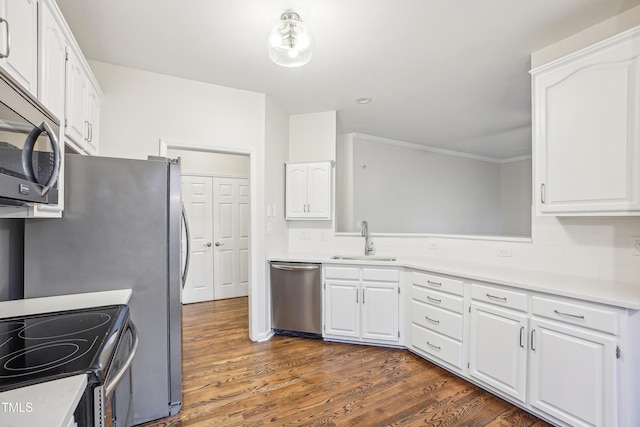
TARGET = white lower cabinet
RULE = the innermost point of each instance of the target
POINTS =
(497, 349)
(362, 304)
(573, 374)
(557, 357)
(437, 318)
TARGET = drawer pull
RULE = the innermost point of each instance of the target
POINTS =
(434, 346)
(438, 284)
(436, 300)
(559, 313)
(496, 297)
(437, 322)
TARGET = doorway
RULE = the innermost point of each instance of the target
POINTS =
(215, 195)
(218, 212)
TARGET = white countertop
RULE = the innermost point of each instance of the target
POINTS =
(24, 307)
(50, 403)
(618, 294)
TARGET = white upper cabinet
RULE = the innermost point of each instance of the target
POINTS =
(586, 142)
(308, 190)
(18, 41)
(82, 105)
(52, 52)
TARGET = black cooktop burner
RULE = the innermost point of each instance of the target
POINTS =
(54, 345)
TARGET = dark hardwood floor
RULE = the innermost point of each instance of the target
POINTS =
(230, 381)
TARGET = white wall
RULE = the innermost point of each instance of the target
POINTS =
(312, 136)
(277, 149)
(206, 163)
(140, 108)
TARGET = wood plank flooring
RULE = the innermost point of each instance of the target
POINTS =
(230, 381)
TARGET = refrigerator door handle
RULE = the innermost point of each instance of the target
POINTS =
(187, 258)
(27, 156)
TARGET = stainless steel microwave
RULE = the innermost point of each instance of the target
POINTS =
(29, 150)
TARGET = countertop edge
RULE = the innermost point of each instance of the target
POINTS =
(25, 307)
(618, 294)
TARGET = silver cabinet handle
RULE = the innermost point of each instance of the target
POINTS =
(7, 33)
(542, 191)
(437, 322)
(497, 297)
(434, 346)
(438, 284)
(218, 244)
(559, 313)
(363, 296)
(436, 300)
(209, 244)
(521, 335)
(533, 334)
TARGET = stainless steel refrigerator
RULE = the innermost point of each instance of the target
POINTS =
(120, 229)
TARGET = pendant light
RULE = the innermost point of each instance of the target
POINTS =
(290, 43)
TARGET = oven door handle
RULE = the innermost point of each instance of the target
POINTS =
(110, 388)
(27, 156)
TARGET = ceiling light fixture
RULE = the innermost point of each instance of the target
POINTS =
(290, 43)
(364, 100)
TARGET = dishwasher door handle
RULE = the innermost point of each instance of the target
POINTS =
(295, 267)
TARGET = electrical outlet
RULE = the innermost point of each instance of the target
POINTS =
(505, 252)
(635, 245)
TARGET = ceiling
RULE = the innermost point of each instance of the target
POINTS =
(451, 74)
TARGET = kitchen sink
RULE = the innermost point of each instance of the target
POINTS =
(364, 257)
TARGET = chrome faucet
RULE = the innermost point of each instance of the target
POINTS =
(369, 249)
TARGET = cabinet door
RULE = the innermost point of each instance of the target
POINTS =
(319, 190)
(586, 132)
(75, 101)
(92, 120)
(52, 52)
(296, 190)
(22, 26)
(497, 349)
(572, 374)
(379, 307)
(342, 300)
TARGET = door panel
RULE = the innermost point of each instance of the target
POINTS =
(198, 203)
(231, 236)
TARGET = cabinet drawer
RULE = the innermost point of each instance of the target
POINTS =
(437, 345)
(436, 319)
(438, 299)
(381, 274)
(342, 273)
(499, 296)
(576, 313)
(444, 284)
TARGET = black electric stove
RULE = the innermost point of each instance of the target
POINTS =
(50, 346)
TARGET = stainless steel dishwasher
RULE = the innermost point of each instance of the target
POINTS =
(296, 299)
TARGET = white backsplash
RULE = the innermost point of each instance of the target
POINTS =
(587, 247)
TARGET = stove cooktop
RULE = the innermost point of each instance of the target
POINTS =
(49, 346)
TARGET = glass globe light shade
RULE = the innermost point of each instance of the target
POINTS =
(289, 42)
